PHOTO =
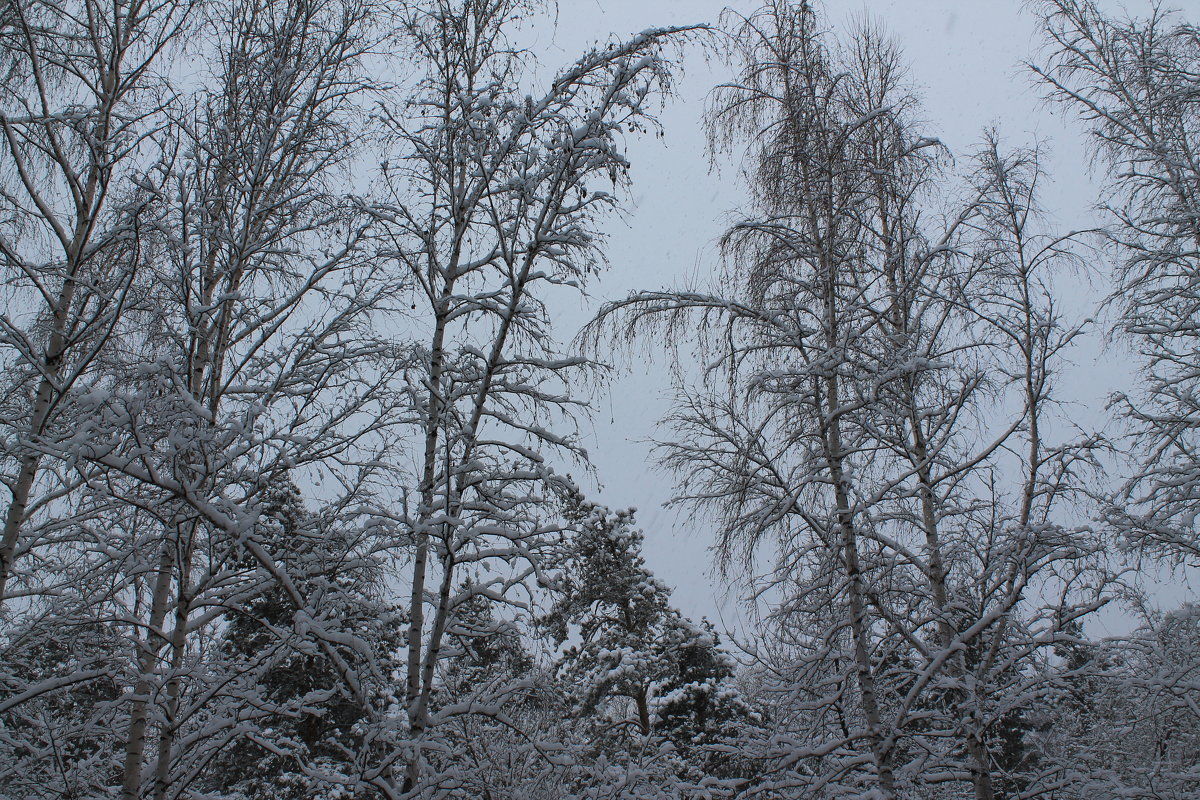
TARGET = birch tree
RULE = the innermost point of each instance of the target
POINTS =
(1133, 84)
(83, 113)
(252, 359)
(496, 192)
(255, 364)
(877, 363)
(82, 116)
(786, 452)
(1010, 569)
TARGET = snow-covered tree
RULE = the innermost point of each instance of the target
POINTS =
(881, 360)
(84, 133)
(284, 415)
(247, 359)
(58, 704)
(1133, 84)
(628, 632)
(251, 355)
(633, 666)
(786, 449)
(1126, 726)
(701, 710)
(306, 730)
(494, 190)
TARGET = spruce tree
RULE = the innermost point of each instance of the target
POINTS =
(310, 732)
(632, 661)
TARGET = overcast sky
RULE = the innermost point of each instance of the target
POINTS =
(966, 63)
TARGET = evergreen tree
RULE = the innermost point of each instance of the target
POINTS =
(632, 660)
(699, 709)
(310, 732)
(52, 744)
(488, 649)
(619, 611)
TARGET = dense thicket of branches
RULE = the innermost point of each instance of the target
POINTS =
(285, 418)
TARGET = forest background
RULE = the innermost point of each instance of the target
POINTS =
(339, 337)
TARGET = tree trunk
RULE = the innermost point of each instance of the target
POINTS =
(14, 517)
(162, 777)
(880, 749)
(643, 710)
(135, 741)
(981, 773)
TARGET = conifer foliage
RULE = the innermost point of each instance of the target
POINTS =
(633, 665)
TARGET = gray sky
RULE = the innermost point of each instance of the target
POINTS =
(966, 62)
